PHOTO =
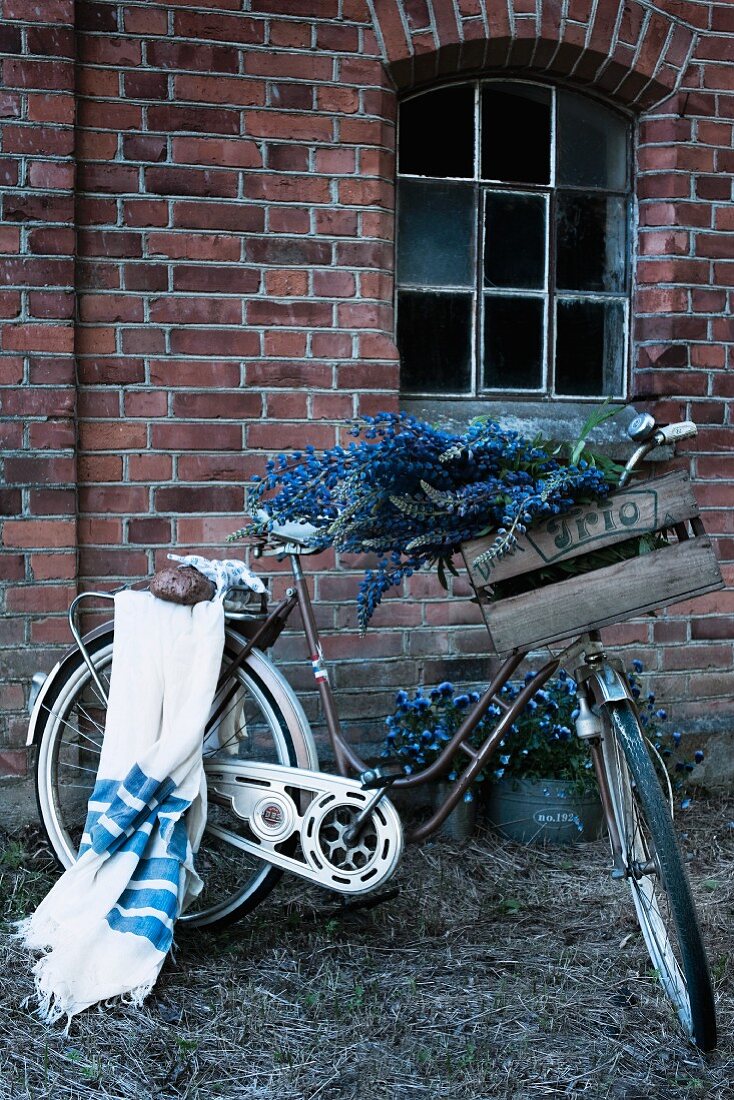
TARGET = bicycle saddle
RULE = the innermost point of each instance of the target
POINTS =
(284, 536)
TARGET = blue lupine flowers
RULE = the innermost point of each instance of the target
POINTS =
(411, 493)
(422, 724)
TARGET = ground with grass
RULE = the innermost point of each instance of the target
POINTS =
(497, 972)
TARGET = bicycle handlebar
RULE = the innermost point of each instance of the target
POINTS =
(653, 437)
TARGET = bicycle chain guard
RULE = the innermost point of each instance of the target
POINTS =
(268, 797)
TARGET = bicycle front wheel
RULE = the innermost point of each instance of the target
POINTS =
(654, 869)
(69, 745)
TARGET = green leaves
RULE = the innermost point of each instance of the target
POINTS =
(596, 417)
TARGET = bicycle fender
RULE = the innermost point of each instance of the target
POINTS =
(283, 693)
(58, 674)
(608, 685)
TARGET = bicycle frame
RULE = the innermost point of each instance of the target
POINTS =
(348, 759)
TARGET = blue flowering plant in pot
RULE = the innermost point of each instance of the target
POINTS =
(543, 786)
(419, 729)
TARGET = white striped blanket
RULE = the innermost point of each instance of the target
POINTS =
(106, 926)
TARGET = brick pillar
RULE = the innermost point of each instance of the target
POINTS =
(38, 533)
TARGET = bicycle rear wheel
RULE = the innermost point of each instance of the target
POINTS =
(654, 869)
(69, 744)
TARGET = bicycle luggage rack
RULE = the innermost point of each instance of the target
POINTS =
(679, 571)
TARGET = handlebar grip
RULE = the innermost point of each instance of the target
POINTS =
(673, 433)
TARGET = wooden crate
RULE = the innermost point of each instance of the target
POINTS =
(680, 571)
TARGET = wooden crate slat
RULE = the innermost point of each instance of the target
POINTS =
(609, 595)
(644, 508)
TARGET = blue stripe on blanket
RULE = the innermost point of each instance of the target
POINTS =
(156, 868)
(162, 900)
(151, 928)
(141, 816)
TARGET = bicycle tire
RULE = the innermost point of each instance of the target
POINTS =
(71, 727)
(657, 877)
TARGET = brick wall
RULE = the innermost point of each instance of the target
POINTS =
(38, 564)
(229, 237)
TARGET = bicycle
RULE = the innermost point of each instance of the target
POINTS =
(272, 809)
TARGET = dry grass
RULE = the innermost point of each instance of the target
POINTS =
(497, 972)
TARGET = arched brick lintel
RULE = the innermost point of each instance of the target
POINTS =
(632, 53)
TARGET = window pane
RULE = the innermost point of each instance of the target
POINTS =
(436, 133)
(434, 338)
(514, 241)
(592, 144)
(513, 343)
(589, 347)
(516, 130)
(591, 242)
(436, 226)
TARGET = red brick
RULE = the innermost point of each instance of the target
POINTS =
(232, 91)
(191, 181)
(232, 341)
(216, 151)
(142, 341)
(149, 531)
(289, 313)
(195, 311)
(190, 55)
(283, 220)
(206, 498)
(288, 125)
(145, 85)
(39, 532)
(334, 284)
(287, 406)
(101, 436)
(174, 118)
(232, 405)
(190, 246)
(115, 498)
(274, 437)
(51, 304)
(39, 338)
(183, 372)
(215, 279)
(144, 213)
(237, 217)
(118, 51)
(150, 467)
(148, 403)
(146, 21)
(197, 437)
(22, 73)
(144, 147)
(110, 307)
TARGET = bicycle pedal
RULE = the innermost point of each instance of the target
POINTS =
(374, 778)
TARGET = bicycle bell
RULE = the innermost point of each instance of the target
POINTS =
(641, 428)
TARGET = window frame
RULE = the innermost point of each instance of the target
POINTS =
(550, 294)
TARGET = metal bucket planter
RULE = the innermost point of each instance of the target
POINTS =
(461, 821)
(543, 811)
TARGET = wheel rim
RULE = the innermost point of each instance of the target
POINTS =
(644, 875)
(67, 765)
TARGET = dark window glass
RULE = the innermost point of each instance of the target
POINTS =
(516, 133)
(592, 144)
(434, 336)
(589, 356)
(436, 135)
(514, 241)
(436, 229)
(591, 242)
(513, 343)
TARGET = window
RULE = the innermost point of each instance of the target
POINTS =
(512, 243)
